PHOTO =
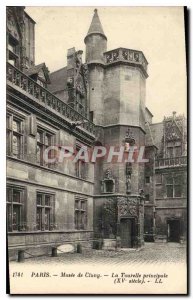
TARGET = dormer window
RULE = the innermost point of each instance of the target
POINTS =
(40, 74)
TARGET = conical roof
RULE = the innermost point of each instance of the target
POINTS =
(95, 26)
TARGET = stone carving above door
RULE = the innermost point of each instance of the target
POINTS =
(127, 207)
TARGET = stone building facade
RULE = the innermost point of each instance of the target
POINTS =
(97, 103)
(166, 180)
(47, 204)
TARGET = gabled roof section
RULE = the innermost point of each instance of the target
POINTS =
(174, 127)
(40, 70)
(95, 26)
(172, 131)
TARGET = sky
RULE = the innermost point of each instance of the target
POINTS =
(157, 31)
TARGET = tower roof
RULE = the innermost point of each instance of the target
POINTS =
(95, 26)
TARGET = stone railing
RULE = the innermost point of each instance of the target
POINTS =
(42, 95)
(122, 54)
(171, 162)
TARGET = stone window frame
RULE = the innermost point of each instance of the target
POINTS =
(158, 182)
(18, 206)
(172, 148)
(13, 50)
(80, 213)
(42, 207)
(172, 177)
(13, 132)
(80, 166)
(104, 187)
(42, 144)
(149, 179)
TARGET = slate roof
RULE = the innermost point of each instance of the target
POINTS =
(95, 26)
(154, 134)
(58, 80)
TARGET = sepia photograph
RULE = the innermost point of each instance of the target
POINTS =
(96, 157)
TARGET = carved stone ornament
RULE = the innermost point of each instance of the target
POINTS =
(132, 210)
(122, 207)
(11, 25)
(85, 74)
(110, 207)
(70, 82)
(128, 168)
(128, 183)
(141, 209)
(78, 55)
(128, 172)
(132, 201)
(108, 174)
(173, 133)
(127, 207)
(129, 137)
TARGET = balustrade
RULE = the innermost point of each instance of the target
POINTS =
(171, 161)
(42, 95)
(129, 55)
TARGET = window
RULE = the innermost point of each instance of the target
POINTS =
(147, 179)
(15, 209)
(158, 178)
(44, 212)
(170, 151)
(80, 103)
(109, 186)
(12, 44)
(174, 186)
(12, 51)
(174, 151)
(147, 198)
(14, 136)
(91, 116)
(44, 140)
(178, 151)
(80, 213)
(80, 166)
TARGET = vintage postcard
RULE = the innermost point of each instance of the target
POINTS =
(96, 150)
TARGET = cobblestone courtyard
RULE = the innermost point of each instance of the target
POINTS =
(156, 253)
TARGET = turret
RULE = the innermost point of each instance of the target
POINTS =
(96, 45)
(96, 41)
